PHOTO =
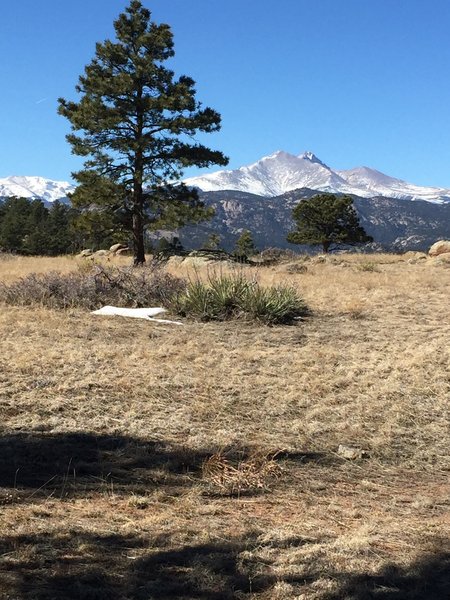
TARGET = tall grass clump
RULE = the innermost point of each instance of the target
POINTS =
(225, 297)
(91, 288)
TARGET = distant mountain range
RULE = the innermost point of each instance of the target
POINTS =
(260, 197)
(395, 224)
(282, 172)
(35, 187)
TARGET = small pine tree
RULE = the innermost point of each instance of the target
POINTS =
(213, 242)
(245, 245)
(327, 220)
(170, 247)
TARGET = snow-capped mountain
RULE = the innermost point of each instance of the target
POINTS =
(270, 176)
(35, 187)
(282, 172)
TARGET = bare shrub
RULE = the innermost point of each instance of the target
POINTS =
(94, 287)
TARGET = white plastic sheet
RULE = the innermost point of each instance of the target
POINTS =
(135, 313)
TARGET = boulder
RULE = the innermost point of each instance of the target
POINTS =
(124, 252)
(351, 452)
(440, 247)
(295, 268)
(87, 252)
(196, 261)
(115, 247)
(101, 253)
(413, 255)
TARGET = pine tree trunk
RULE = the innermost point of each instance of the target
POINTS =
(138, 205)
(138, 225)
(138, 237)
(326, 247)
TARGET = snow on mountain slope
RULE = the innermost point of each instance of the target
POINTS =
(273, 175)
(378, 184)
(282, 172)
(35, 187)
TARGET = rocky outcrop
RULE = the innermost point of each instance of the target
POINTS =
(440, 247)
(116, 247)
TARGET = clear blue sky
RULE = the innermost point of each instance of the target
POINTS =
(358, 82)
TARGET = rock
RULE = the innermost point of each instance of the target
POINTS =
(175, 261)
(413, 256)
(115, 247)
(440, 247)
(102, 253)
(208, 254)
(351, 452)
(441, 259)
(124, 252)
(295, 268)
(87, 252)
(319, 259)
(196, 261)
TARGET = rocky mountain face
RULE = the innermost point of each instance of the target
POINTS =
(395, 224)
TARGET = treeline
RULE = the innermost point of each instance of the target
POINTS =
(29, 227)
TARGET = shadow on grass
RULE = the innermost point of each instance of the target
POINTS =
(74, 463)
(88, 567)
(426, 579)
(84, 566)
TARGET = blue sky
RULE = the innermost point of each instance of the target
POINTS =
(358, 82)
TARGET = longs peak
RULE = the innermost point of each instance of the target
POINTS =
(282, 172)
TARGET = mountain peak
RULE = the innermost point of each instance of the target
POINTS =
(282, 172)
(312, 158)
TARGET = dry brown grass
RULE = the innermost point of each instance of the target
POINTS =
(129, 451)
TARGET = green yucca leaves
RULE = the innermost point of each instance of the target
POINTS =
(224, 297)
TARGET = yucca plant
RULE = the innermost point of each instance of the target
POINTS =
(273, 305)
(224, 297)
(218, 298)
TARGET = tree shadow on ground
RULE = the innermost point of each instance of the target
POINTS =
(77, 463)
(426, 579)
(86, 566)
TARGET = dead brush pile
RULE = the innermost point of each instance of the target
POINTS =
(226, 474)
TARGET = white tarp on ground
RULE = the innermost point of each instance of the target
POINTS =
(135, 313)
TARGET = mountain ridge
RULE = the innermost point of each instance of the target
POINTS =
(35, 187)
(282, 172)
(270, 176)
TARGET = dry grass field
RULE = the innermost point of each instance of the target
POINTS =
(141, 461)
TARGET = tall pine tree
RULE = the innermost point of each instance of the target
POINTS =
(135, 124)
